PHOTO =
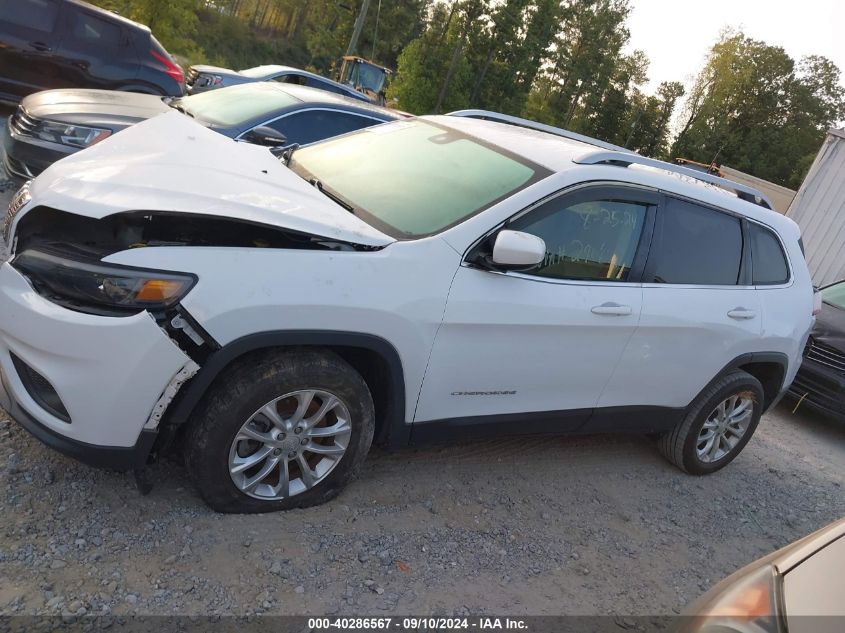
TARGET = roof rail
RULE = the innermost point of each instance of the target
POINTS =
(743, 192)
(534, 125)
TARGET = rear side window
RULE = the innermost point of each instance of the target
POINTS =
(94, 32)
(768, 263)
(311, 126)
(696, 245)
(311, 82)
(324, 85)
(296, 80)
(38, 15)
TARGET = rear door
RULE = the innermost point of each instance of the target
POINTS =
(29, 41)
(96, 52)
(700, 309)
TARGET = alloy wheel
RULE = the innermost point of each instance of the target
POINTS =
(725, 427)
(290, 444)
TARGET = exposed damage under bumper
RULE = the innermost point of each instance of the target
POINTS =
(92, 376)
(102, 372)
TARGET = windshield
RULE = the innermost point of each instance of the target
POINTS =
(835, 295)
(369, 77)
(414, 178)
(236, 105)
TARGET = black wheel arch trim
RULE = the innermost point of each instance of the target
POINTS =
(394, 431)
(778, 358)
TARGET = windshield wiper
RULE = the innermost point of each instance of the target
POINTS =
(332, 196)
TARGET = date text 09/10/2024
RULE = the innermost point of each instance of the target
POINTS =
(417, 624)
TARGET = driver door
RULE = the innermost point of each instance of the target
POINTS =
(532, 351)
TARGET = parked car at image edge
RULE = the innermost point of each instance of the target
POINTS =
(48, 44)
(203, 78)
(423, 280)
(50, 125)
(797, 589)
(820, 383)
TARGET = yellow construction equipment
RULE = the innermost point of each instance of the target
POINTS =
(365, 76)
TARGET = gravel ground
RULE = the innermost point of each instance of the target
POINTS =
(589, 525)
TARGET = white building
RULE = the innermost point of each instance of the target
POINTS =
(819, 209)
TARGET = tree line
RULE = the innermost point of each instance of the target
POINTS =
(565, 63)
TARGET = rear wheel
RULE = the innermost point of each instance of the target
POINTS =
(717, 426)
(280, 430)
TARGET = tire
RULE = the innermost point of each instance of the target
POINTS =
(681, 446)
(234, 408)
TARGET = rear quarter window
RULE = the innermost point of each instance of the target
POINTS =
(768, 262)
(290, 78)
(90, 31)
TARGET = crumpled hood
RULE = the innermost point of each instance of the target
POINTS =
(830, 327)
(171, 163)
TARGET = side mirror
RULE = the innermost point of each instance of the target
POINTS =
(265, 135)
(517, 250)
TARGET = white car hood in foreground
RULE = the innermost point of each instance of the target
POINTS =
(171, 163)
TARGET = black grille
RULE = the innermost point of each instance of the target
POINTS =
(826, 355)
(40, 389)
(818, 390)
(22, 123)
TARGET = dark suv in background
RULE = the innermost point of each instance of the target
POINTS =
(69, 44)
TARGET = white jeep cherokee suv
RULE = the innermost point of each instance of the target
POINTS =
(436, 277)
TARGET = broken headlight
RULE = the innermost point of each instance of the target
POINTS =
(80, 284)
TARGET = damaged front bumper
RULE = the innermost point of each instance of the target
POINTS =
(92, 387)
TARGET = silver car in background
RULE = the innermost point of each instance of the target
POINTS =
(203, 78)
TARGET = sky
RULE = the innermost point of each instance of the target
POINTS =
(677, 34)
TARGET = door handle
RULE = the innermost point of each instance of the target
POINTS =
(40, 46)
(611, 309)
(741, 313)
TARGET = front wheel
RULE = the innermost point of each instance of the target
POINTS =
(280, 430)
(717, 425)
